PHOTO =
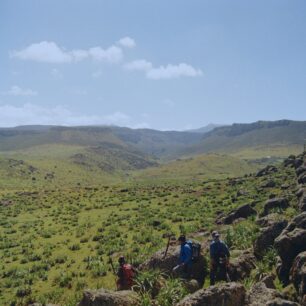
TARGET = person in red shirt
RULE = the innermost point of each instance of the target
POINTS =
(126, 274)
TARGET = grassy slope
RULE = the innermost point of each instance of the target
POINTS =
(38, 232)
(257, 140)
(198, 168)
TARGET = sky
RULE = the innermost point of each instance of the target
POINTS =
(168, 65)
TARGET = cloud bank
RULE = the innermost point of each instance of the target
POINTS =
(50, 52)
(31, 114)
(163, 72)
(127, 42)
(17, 91)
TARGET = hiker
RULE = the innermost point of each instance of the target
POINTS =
(219, 259)
(185, 259)
(126, 274)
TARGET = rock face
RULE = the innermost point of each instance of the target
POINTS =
(302, 178)
(267, 236)
(244, 211)
(269, 184)
(242, 266)
(298, 274)
(267, 170)
(281, 302)
(289, 244)
(231, 294)
(280, 203)
(293, 161)
(302, 202)
(260, 295)
(300, 170)
(104, 297)
(166, 264)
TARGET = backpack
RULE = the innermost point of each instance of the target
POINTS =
(195, 249)
(128, 273)
(221, 255)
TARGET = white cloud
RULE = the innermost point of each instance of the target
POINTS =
(112, 55)
(139, 65)
(163, 72)
(45, 51)
(50, 52)
(17, 91)
(173, 72)
(30, 114)
(127, 42)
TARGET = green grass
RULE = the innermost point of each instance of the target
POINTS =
(57, 232)
(57, 241)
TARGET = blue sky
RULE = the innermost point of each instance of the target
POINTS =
(172, 64)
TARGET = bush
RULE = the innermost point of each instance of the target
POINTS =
(171, 293)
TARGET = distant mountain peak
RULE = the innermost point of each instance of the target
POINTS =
(207, 128)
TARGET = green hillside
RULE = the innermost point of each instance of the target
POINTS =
(198, 168)
(259, 139)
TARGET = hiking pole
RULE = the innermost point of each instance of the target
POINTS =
(228, 279)
(168, 244)
(114, 271)
(112, 265)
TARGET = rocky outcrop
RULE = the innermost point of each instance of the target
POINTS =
(300, 170)
(289, 244)
(268, 184)
(192, 285)
(275, 203)
(298, 274)
(302, 202)
(260, 295)
(268, 280)
(293, 161)
(267, 235)
(104, 297)
(302, 178)
(231, 294)
(243, 211)
(281, 302)
(242, 266)
(167, 263)
(267, 170)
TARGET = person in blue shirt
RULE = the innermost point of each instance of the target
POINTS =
(219, 259)
(185, 259)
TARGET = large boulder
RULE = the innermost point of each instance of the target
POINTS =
(243, 211)
(275, 203)
(289, 244)
(281, 302)
(260, 295)
(168, 262)
(241, 267)
(269, 184)
(302, 202)
(230, 294)
(293, 161)
(267, 235)
(267, 170)
(300, 170)
(298, 274)
(104, 297)
(302, 178)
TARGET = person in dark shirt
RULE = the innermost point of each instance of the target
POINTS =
(219, 259)
(185, 259)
